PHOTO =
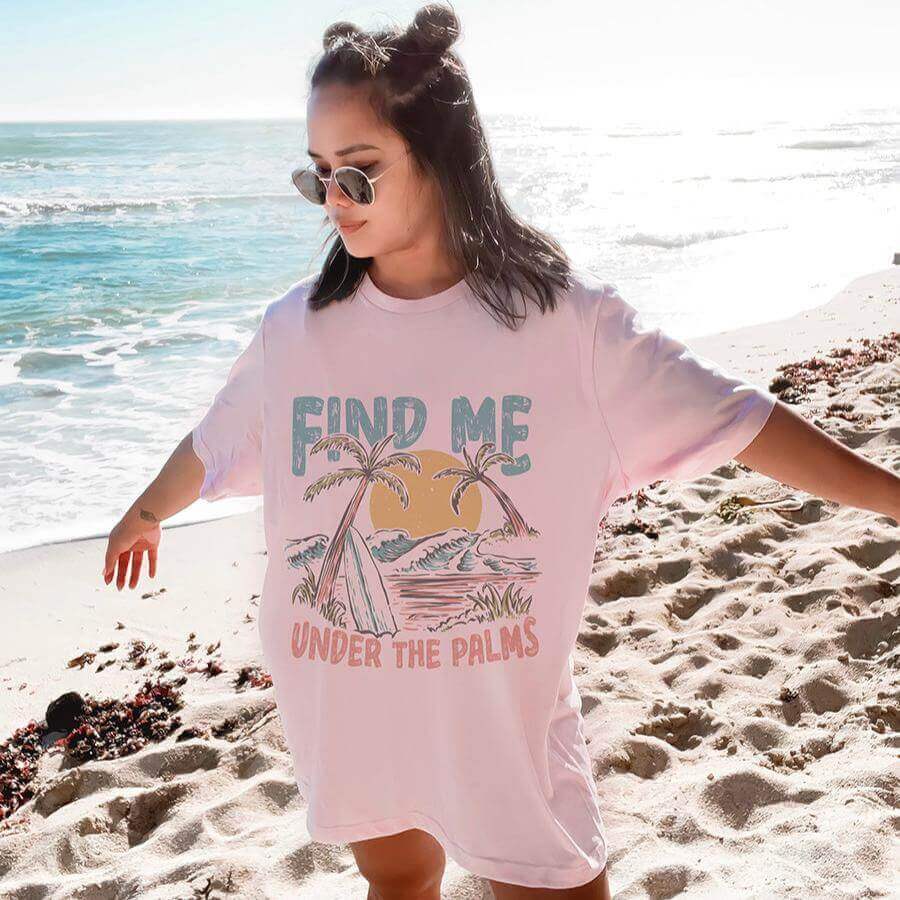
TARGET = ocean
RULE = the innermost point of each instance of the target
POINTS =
(137, 257)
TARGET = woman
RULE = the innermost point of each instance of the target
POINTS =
(437, 421)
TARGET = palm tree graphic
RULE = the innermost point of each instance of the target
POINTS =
(475, 472)
(370, 470)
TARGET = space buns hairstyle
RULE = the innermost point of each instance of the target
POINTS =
(434, 29)
(418, 86)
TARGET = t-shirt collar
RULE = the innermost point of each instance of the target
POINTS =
(402, 305)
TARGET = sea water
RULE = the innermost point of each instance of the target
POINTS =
(136, 259)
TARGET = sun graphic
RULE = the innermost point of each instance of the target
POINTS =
(429, 510)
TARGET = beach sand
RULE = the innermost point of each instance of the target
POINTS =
(739, 678)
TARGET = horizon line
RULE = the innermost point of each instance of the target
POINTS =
(189, 119)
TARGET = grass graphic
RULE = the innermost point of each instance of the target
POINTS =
(487, 605)
(305, 592)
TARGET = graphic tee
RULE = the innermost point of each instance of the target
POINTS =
(433, 483)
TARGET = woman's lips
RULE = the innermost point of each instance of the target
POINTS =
(350, 229)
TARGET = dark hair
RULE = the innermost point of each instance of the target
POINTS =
(420, 88)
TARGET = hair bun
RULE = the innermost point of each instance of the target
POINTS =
(435, 28)
(338, 32)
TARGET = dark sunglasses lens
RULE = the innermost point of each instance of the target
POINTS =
(309, 185)
(355, 185)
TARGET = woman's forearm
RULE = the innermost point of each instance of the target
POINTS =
(798, 453)
(175, 487)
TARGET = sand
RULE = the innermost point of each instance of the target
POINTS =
(739, 679)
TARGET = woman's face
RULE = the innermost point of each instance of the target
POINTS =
(340, 117)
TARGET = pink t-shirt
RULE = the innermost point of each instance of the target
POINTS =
(432, 484)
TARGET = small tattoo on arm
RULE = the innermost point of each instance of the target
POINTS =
(148, 516)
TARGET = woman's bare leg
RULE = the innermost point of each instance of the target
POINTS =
(598, 889)
(404, 866)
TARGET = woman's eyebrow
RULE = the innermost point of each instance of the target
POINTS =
(351, 149)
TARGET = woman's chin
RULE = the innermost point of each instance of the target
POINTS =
(356, 251)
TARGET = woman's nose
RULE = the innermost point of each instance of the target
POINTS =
(334, 196)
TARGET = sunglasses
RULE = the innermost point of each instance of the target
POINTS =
(355, 184)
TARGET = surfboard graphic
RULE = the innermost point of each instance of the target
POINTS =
(366, 594)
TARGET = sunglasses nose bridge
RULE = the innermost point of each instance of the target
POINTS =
(332, 181)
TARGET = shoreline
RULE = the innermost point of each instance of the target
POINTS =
(848, 315)
(866, 307)
(102, 535)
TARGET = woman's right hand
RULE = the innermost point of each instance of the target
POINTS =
(128, 541)
(176, 487)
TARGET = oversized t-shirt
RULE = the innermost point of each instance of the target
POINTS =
(432, 485)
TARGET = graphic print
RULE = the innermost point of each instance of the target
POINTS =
(450, 545)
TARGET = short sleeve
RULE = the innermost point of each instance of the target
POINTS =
(671, 413)
(228, 439)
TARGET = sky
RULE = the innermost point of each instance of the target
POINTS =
(133, 59)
